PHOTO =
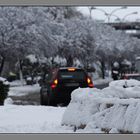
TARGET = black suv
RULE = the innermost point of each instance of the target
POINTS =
(57, 86)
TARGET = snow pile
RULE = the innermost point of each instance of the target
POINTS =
(32, 119)
(102, 81)
(32, 58)
(24, 90)
(4, 81)
(60, 60)
(17, 83)
(114, 109)
(8, 101)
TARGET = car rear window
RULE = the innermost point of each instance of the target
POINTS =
(78, 74)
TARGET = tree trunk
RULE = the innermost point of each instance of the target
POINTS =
(69, 61)
(20, 73)
(2, 65)
(103, 69)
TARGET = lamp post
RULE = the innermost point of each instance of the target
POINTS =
(95, 8)
(108, 15)
(123, 19)
(117, 17)
(133, 13)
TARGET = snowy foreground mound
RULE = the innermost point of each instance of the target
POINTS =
(115, 109)
(31, 119)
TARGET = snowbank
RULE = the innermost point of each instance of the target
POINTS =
(17, 83)
(24, 90)
(102, 81)
(32, 58)
(114, 109)
(32, 119)
(4, 81)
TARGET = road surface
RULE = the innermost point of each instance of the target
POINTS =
(34, 98)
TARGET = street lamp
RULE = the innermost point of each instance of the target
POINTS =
(95, 8)
(117, 17)
(123, 19)
(133, 13)
(107, 14)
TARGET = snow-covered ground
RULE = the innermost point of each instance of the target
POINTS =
(113, 109)
(32, 119)
(23, 90)
(17, 83)
(102, 81)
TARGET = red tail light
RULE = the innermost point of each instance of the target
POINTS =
(126, 77)
(54, 84)
(89, 81)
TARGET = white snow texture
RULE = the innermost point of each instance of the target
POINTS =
(114, 108)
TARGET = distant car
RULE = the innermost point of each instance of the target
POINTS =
(59, 84)
(135, 76)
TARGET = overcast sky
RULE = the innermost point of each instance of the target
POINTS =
(98, 14)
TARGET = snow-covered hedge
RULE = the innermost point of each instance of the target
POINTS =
(114, 109)
(4, 88)
(4, 81)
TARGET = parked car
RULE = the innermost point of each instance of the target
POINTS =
(135, 76)
(57, 86)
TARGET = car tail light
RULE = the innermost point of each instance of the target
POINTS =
(89, 81)
(54, 84)
(56, 81)
(126, 77)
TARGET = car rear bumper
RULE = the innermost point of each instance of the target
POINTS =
(62, 95)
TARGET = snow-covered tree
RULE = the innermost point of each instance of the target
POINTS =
(61, 32)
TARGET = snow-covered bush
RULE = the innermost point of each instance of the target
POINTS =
(114, 109)
(29, 81)
(4, 88)
(8, 101)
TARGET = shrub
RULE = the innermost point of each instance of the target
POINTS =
(4, 88)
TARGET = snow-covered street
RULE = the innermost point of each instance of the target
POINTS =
(114, 109)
